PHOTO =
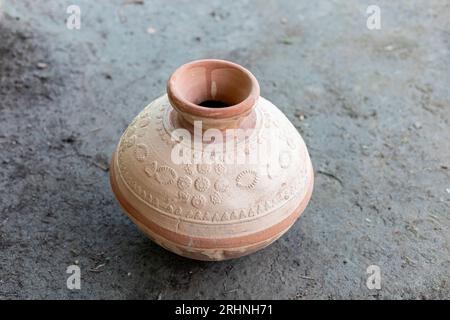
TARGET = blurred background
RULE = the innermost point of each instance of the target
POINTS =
(372, 104)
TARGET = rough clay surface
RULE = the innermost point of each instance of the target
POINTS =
(372, 106)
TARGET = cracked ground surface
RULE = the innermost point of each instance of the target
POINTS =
(372, 106)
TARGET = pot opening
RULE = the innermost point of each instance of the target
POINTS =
(202, 85)
(213, 104)
(213, 85)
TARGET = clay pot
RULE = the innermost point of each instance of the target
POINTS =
(223, 207)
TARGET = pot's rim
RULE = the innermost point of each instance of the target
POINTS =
(183, 105)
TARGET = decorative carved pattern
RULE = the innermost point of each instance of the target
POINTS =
(203, 168)
(131, 141)
(225, 216)
(165, 175)
(220, 168)
(221, 185)
(130, 131)
(290, 142)
(202, 184)
(207, 216)
(189, 169)
(183, 196)
(150, 124)
(285, 159)
(270, 171)
(198, 201)
(216, 198)
(184, 182)
(140, 152)
(247, 179)
(165, 136)
(143, 123)
(150, 170)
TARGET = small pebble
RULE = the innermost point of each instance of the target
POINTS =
(141, 2)
(448, 190)
(286, 41)
(151, 30)
(417, 125)
(300, 115)
(216, 16)
(42, 65)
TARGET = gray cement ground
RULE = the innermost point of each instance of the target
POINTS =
(372, 106)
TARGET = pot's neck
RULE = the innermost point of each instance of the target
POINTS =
(220, 94)
(187, 121)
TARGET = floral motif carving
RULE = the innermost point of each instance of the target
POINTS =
(189, 169)
(165, 175)
(183, 196)
(184, 182)
(198, 201)
(247, 179)
(203, 168)
(220, 168)
(202, 184)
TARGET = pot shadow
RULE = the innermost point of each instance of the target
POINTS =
(162, 274)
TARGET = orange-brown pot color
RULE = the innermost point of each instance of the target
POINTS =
(212, 209)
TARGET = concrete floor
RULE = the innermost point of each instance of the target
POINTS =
(372, 106)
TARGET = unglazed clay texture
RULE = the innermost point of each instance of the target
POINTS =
(210, 211)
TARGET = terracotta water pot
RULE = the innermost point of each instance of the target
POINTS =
(210, 205)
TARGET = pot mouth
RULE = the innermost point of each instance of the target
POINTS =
(212, 88)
